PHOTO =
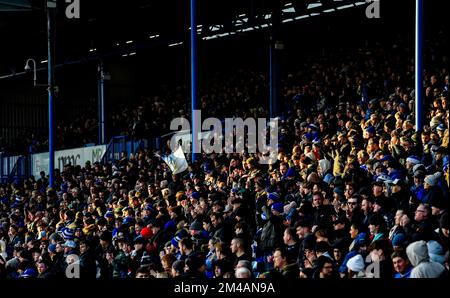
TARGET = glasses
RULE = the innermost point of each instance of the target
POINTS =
(352, 203)
(418, 210)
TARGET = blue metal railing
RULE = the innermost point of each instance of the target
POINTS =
(13, 168)
(17, 168)
(122, 144)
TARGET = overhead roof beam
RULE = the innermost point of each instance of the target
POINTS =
(17, 5)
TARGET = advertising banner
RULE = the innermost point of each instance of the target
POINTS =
(75, 157)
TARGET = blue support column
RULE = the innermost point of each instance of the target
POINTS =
(276, 46)
(275, 77)
(101, 104)
(194, 99)
(419, 66)
(273, 80)
(51, 74)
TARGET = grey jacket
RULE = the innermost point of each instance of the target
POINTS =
(418, 255)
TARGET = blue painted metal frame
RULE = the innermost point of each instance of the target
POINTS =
(419, 65)
(194, 83)
(122, 143)
(51, 79)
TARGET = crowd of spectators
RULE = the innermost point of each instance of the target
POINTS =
(357, 191)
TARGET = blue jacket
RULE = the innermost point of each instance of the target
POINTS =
(419, 192)
(360, 239)
(406, 275)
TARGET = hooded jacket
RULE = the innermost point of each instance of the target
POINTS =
(436, 252)
(327, 174)
(418, 255)
(359, 241)
(272, 232)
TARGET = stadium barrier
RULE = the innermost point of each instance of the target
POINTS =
(75, 157)
(17, 168)
(120, 144)
(13, 167)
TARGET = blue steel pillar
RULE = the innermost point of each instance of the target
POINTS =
(51, 81)
(274, 78)
(419, 66)
(194, 100)
(101, 104)
(276, 46)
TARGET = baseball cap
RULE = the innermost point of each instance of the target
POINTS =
(396, 182)
(70, 243)
(377, 183)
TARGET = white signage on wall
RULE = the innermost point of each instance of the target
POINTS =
(75, 157)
